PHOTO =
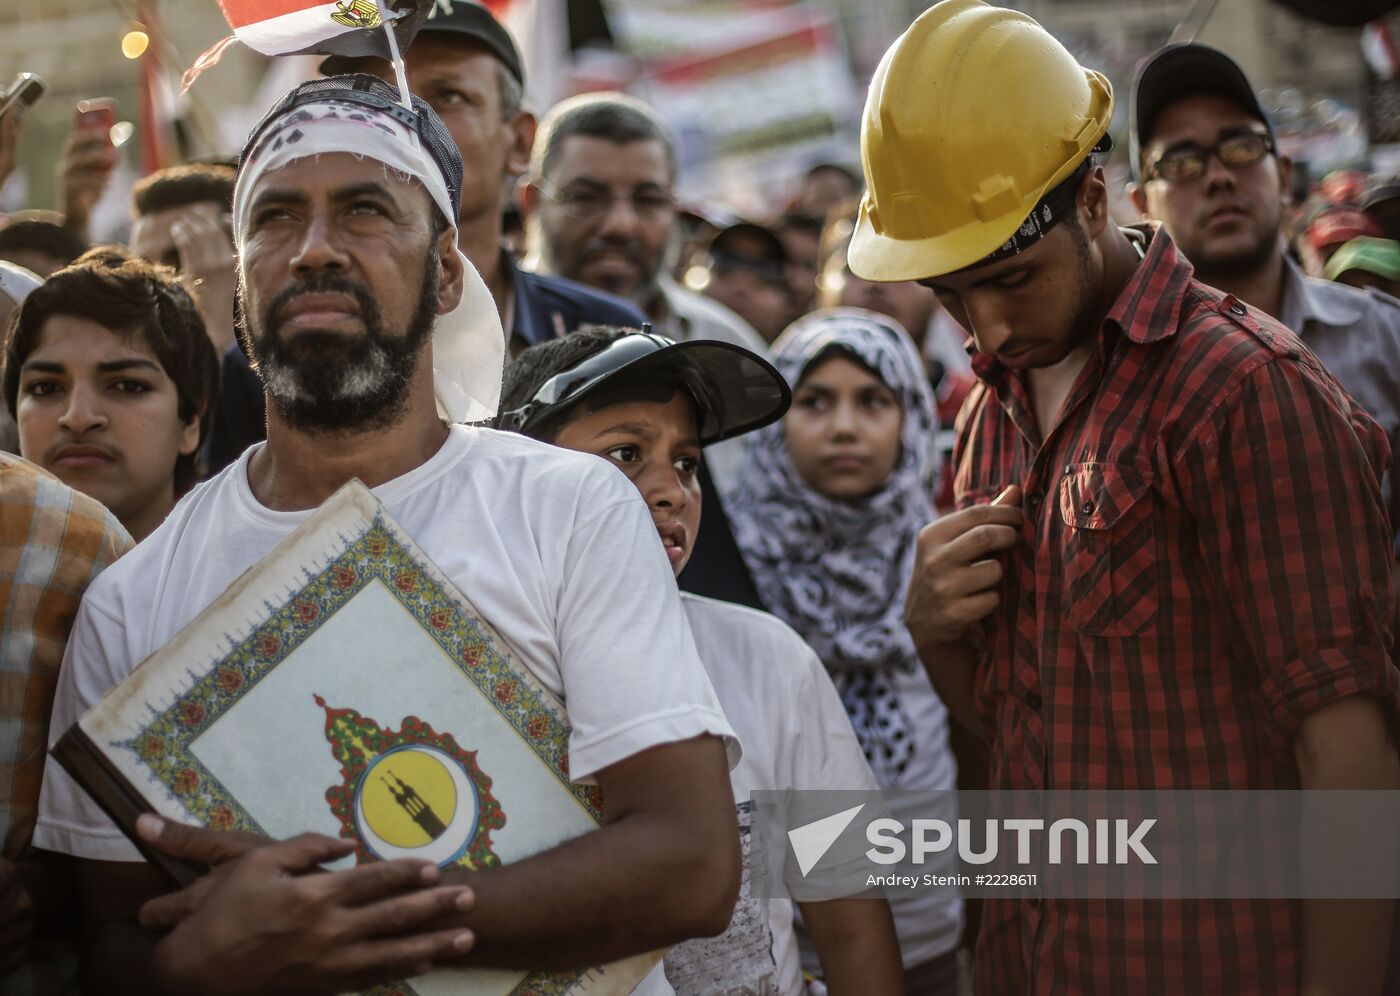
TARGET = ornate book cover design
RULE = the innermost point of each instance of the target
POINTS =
(344, 686)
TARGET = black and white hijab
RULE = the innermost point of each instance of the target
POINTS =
(836, 571)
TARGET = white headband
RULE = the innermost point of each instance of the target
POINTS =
(468, 342)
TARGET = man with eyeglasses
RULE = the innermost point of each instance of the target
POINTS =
(1208, 168)
(600, 209)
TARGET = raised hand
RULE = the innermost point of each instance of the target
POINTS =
(955, 572)
(85, 169)
(207, 267)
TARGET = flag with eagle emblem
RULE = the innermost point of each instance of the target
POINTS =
(351, 28)
(340, 27)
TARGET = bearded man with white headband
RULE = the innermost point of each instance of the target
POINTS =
(373, 335)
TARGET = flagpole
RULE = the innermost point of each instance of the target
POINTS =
(395, 58)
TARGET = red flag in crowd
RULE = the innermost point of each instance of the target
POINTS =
(341, 27)
(295, 27)
(156, 110)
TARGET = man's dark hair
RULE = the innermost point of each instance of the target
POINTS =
(41, 232)
(126, 295)
(181, 186)
(613, 117)
(528, 372)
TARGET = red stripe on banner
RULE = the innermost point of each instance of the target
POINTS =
(768, 52)
(241, 13)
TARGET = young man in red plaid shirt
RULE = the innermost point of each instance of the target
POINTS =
(1171, 565)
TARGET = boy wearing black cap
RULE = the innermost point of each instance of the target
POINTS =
(647, 405)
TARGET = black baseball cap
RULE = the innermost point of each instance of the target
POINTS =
(750, 247)
(466, 20)
(735, 390)
(1184, 70)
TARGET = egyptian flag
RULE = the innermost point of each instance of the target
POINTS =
(298, 27)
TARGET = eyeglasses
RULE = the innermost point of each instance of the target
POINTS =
(1234, 152)
(590, 203)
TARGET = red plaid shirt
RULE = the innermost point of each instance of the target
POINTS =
(1206, 562)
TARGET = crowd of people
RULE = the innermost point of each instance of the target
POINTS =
(962, 482)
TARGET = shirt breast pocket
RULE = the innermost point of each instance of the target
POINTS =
(1109, 554)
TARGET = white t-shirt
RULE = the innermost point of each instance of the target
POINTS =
(796, 735)
(555, 549)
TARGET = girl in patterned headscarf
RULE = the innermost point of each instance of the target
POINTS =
(826, 510)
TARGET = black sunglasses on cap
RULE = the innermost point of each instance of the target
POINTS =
(735, 390)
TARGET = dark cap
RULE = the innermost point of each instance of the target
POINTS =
(735, 390)
(750, 247)
(1178, 71)
(372, 93)
(1382, 189)
(467, 20)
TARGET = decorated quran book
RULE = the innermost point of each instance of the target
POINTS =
(344, 686)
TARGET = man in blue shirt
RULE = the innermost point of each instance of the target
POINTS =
(465, 65)
(1209, 169)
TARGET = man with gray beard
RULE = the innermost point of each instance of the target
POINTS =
(343, 196)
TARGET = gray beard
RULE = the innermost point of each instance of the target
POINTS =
(357, 384)
(327, 383)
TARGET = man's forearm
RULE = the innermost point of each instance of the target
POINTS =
(1346, 942)
(637, 885)
(857, 946)
(952, 668)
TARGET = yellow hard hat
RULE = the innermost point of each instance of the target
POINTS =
(974, 113)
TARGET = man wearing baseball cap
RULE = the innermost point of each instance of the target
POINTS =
(1332, 227)
(464, 64)
(749, 274)
(1208, 168)
(1170, 567)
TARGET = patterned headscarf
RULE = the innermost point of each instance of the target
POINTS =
(836, 571)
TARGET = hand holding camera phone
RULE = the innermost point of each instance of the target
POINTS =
(22, 93)
(92, 125)
(89, 156)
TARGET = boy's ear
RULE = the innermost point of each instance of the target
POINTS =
(189, 433)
